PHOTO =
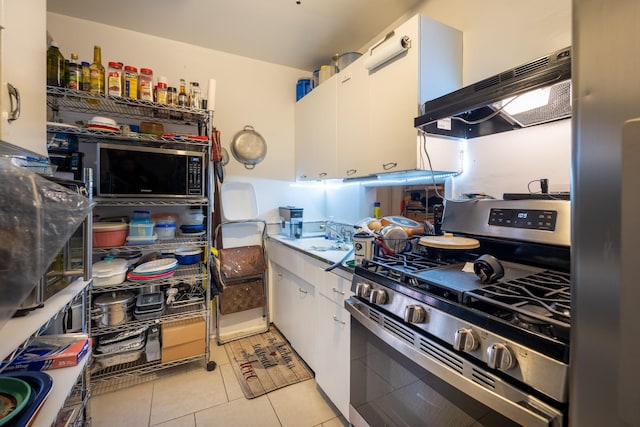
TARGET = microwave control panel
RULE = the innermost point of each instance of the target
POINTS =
(194, 175)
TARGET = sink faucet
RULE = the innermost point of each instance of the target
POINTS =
(341, 234)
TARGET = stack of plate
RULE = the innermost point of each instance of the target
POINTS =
(153, 270)
(103, 123)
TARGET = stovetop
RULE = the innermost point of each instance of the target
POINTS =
(530, 304)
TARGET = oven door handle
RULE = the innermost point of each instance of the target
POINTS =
(519, 406)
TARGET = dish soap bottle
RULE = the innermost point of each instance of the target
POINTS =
(376, 210)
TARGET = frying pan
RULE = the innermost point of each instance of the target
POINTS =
(410, 226)
(248, 147)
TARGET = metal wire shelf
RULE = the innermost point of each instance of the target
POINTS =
(94, 136)
(192, 275)
(132, 371)
(85, 102)
(196, 309)
(170, 244)
(106, 201)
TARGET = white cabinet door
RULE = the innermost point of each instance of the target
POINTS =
(431, 67)
(332, 367)
(294, 312)
(353, 123)
(23, 114)
(315, 133)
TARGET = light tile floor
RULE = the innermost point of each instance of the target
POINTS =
(191, 396)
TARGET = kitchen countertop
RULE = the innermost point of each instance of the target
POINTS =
(329, 251)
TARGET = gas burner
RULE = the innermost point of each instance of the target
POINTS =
(536, 316)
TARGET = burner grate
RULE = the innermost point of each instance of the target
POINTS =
(541, 298)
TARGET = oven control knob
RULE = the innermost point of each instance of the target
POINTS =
(363, 290)
(500, 357)
(378, 296)
(414, 314)
(465, 340)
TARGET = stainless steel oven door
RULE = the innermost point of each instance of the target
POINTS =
(401, 378)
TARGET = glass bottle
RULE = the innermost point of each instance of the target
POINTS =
(96, 71)
(86, 76)
(74, 79)
(182, 95)
(55, 66)
(195, 97)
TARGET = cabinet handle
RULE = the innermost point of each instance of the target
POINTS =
(15, 110)
(351, 172)
(335, 319)
(390, 165)
(322, 174)
(302, 291)
(303, 176)
(337, 291)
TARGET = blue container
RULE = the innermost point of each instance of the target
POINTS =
(303, 87)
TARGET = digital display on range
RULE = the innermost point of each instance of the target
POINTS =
(532, 219)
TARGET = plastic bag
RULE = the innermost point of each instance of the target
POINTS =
(37, 218)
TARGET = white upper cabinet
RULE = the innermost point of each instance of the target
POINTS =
(315, 129)
(376, 105)
(23, 47)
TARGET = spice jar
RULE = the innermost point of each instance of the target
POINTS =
(114, 79)
(130, 82)
(145, 83)
(161, 93)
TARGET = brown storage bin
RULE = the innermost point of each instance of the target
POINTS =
(241, 262)
(242, 296)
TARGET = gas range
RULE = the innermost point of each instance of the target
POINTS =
(516, 324)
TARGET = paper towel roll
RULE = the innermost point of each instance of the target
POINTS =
(211, 95)
(386, 51)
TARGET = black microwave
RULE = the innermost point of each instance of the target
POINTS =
(137, 171)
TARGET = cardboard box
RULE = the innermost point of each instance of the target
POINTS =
(181, 351)
(52, 352)
(183, 331)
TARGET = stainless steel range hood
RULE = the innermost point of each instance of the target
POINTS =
(530, 94)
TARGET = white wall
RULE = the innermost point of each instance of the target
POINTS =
(249, 92)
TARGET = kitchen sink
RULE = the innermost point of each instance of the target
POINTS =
(321, 244)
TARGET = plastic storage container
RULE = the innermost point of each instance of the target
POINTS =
(165, 231)
(141, 229)
(109, 272)
(141, 217)
(106, 234)
(192, 217)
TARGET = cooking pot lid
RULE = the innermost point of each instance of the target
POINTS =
(248, 146)
(109, 267)
(114, 298)
(449, 241)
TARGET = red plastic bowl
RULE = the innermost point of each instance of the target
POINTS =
(107, 234)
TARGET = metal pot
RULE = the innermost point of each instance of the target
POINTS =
(113, 308)
(248, 147)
